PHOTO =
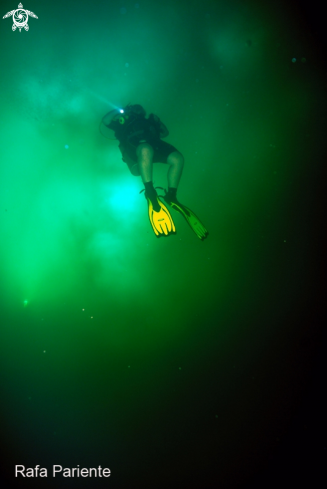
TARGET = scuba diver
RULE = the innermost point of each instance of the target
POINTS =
(141, 145)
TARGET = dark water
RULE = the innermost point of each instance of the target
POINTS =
(172, 361)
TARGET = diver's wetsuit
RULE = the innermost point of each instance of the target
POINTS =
(141, 130)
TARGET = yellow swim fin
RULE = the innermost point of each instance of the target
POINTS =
(192, 220)
(162, 223)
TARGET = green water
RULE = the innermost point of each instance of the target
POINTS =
(168, 359)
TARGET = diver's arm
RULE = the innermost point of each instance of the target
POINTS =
(163, 130)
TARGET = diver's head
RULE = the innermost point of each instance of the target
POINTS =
(123, 116)
(136, 110)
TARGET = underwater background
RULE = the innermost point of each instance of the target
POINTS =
(169, 361)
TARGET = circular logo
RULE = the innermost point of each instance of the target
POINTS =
(20, 18)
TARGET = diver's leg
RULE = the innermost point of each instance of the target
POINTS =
(176, 164)
(144, 153)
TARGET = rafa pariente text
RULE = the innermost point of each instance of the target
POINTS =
(58, 470)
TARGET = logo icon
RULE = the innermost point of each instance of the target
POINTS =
(20, 18)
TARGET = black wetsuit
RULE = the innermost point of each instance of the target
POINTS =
(141, 130)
